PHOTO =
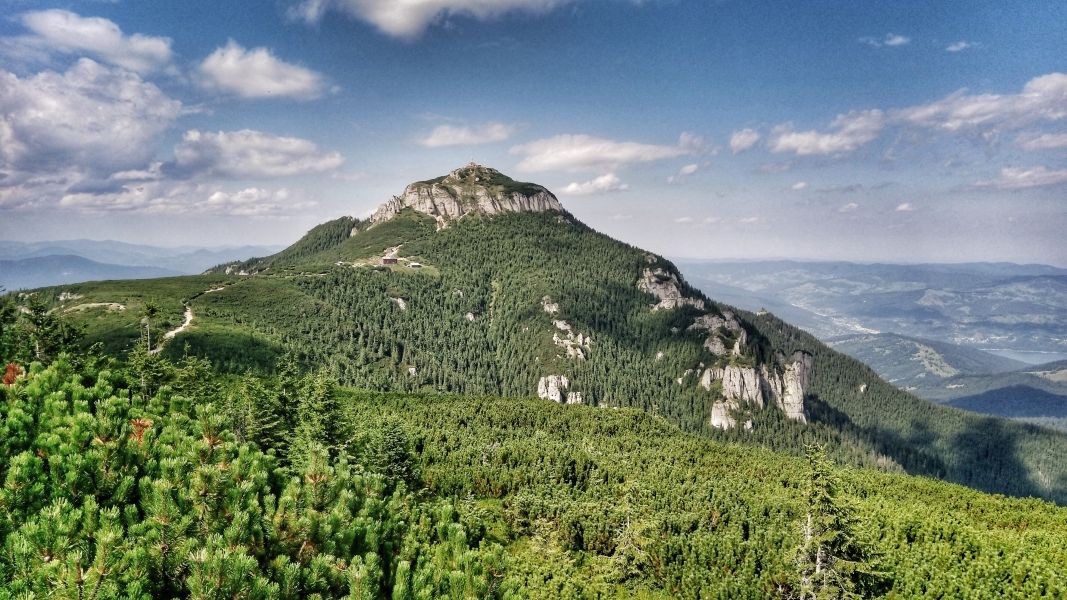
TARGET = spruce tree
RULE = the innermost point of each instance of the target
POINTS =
(832, 563)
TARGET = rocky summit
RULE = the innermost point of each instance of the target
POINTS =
(471, 189)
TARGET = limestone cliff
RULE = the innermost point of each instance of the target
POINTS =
(758, 386)
(667, 288)
(556, 389)
(470, 189)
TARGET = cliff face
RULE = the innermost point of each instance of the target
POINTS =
(666, 287)
(470, 189)
(754, 386)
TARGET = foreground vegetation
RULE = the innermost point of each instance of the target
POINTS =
(165, 480)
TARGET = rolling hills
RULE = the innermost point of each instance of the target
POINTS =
(28, 273)
(25, 265)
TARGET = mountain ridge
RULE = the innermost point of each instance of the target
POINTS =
(497, 303)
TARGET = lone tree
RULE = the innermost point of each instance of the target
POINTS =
(831, 562)
(151, 309)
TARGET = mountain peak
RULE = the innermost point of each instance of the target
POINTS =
(472, 188)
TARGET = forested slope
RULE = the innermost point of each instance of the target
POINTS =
(472, 320)
(166, 481)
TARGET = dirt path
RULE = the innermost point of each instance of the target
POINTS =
(173, 332)
(188, 321)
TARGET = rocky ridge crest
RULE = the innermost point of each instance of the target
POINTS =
(471, 189)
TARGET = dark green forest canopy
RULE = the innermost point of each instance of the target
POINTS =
(165, 480)
(470, 321)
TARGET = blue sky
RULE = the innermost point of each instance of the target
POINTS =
(906, 131)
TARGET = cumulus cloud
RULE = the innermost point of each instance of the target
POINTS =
(743, 140)
(683, 172)
(63, 32)
(1043, 98)
(1045, 141)
(851, 206)
(91, 117)
(409, 18)
(684, 220)
(452, 135)
(588, 153)
(800, 185)
(851, 131)
(1020, 178)
(600, 185)
(905, 207)
(890, 39)
(248, 154)
(180, 198)
(958, 46)
(257, 73)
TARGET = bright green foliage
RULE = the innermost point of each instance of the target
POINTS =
(195, 492)
(615, 503)
(111, 494)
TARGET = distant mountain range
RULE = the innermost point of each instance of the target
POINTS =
(26, 265)
(964, 377)
(1014, 310)
(946, 333)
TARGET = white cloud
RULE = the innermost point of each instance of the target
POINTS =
(92, 117)
(257, 73)
(1043, 98)
(248, 154)
(684, 220)
(683, 172)
(711, 220)
(893, 39)
(853, 130)
(800, 185)
(63, 32)
(600, 185)
(1018, 178)
(748, 220)
(409, 18)
(890, 39)
(958, 46)
(905, 207)
(451, 135)
(187, 198)
(588, 153)
(743, 140)
(1046, 141)
(851, 206)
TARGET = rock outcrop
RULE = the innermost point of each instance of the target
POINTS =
(666, 287)
(718, 326)
(795, 383)
(556, 389)
(751, 386)
(470, 189)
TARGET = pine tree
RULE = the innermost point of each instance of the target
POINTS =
(831, 562)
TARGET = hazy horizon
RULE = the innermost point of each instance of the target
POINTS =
(911, 133)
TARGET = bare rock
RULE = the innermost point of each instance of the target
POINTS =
(666, 287)
(470, 189)
(556, 389)
(549, 306)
